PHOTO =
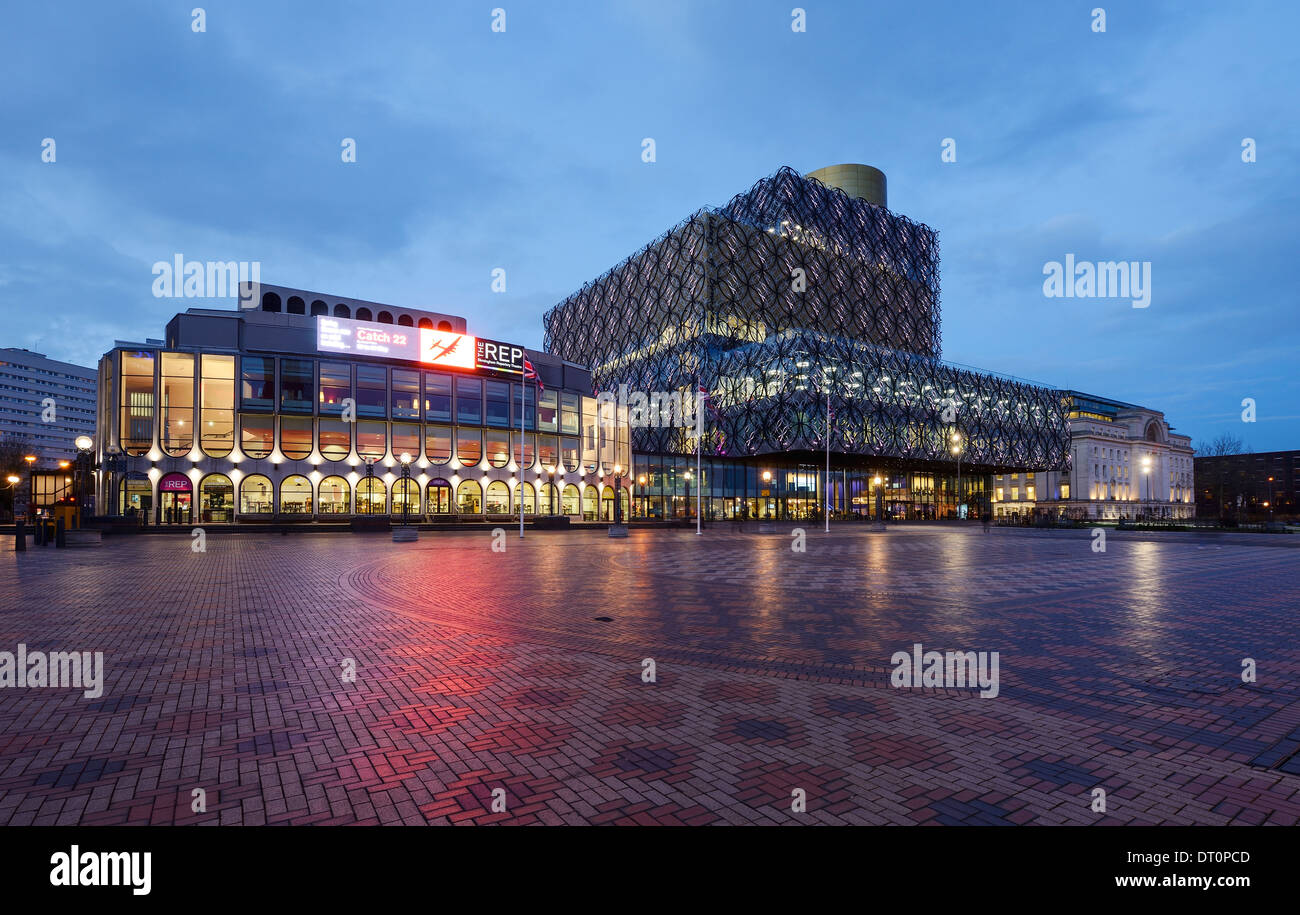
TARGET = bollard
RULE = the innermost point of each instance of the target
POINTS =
(59, 539)
(20, 535)
(38, 533)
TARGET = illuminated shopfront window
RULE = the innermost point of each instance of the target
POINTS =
(217, 405)
(406, 440)
(372, 440)
(295, 437)
(257, 383)
(256, 434)
(295, 495)
(406, 497)
(296, 385)
(437, 397)
(570, 454)
(137, 402)
(256, 495)
(570, 414)
(569, 500)
(469, 498)
(497, 395)
(498, 448)
(548, 451)
(548, 412)
(525, 456)
(469, 401)
(530, 499)
(372, 496)
(469, 445)
(335, 386)
(589, 504)
(607, 504)
(548, 502)
(216, 498)
(333, 496)
(372, 390)
(135, 495)
(439, 497)
(335, 439)
(498, 498)
(437, 444)
(405, 400)
(177, 403)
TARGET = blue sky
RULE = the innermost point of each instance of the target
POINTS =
(522, 150)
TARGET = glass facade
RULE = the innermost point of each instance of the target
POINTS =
(276, 438)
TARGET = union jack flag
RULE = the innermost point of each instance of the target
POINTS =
(530, 374)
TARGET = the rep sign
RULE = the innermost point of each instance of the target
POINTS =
(442, 348)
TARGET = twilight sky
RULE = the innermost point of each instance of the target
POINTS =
(522, 150)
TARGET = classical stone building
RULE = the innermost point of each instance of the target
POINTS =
(1125, 462)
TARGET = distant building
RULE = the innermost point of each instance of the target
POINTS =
(1125, 462)
(1249, 486)
(45, 403)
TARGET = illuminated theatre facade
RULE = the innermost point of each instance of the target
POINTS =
(304, 406)
(801, 297)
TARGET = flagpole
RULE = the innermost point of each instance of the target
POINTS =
(699, 439)
(519, 485)
(828, 458)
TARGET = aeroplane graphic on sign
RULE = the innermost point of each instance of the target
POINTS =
(441, 347)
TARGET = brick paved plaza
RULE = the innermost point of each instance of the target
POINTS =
(478, 670)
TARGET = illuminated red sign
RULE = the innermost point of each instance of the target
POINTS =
(443, 348)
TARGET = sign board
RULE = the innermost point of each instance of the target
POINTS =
(440, 348)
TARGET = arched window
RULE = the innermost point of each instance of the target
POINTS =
(498, 498)
(530, 499)
(498, 448)
(256, 495)
(589, 504)
(270, 301)
(372, 496)
(469, 498)
(469, 445)
(363, 314)
(385, 317)
(439, 497)
(216, 498)
(319, 308)
(607, 504)
(426, 324)
(549, 502)
(342, 311)
(406, 496)
(295, 495)
(135, 495)
(405, 320)
(334, 496)
(437, 444)
(569, 500)
(444, 325)
(296, 305)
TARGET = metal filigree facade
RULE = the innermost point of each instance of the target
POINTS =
(789, 292)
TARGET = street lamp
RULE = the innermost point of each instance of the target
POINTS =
(31, 485)
(687, 477)
(84, 444)
(641, 482)
(618, 494)
(1269, 503)
(767, 483)
(957, 447)
(550, 475)
(1146, 477)
(877, 484)
(406, 486)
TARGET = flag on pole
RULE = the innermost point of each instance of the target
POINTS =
(530, 374)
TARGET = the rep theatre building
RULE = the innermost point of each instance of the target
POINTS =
(313, 407)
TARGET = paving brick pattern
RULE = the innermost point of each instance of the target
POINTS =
(485, 679)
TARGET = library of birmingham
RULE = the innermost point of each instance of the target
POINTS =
(804, 310)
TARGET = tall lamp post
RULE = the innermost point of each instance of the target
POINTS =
(1146, 478)
(31, 485)
(687, 476)
(84, 444)
(406, 484)
(641, 482)
(1269, 504)
(618, 492)
(957, 448)
(550, 474)
(878, 484)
